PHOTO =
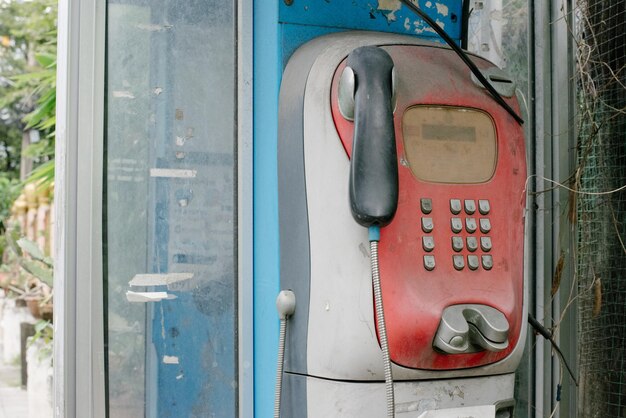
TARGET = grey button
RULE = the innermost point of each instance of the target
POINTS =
(485, 225)
(470, 225)
(429, 262)
(428, 243)
(457, 244)
(427, 224)
(472, 244)
(458, 261)
(487, 262)
(426, 205)
(456, 225)
(470, 206)
(485, 244)
(484, 207)
(472, 262)
(455, 206)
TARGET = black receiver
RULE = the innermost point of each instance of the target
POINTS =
(374, 163)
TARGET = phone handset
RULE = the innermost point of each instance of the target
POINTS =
(367, 88)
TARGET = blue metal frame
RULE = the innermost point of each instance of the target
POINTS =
(267, 70)
(279, 29)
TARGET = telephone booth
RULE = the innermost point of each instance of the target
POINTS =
(206, 160)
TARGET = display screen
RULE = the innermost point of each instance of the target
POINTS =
(449, 144)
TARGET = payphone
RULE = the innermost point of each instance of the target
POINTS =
(395, 133)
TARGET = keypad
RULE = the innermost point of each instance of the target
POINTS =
(428, 243)
(485, 244)
(470, 225)
(426, 205)
(457, 244)
(485, 225)
(429, 262)
(427, 225)
(456, 225)
(484, 207)
(487, 262)
(467, 232)
(472, 262)
(455, 206)
(458, 261)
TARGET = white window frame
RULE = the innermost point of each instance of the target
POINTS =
(79, 363)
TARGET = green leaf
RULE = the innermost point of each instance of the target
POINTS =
(42, 175)
(41, 325)
(46, 60)
(33, 249)
(38, 269)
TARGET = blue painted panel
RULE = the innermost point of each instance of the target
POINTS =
(192, 349)
(381, 15)
(267, 71)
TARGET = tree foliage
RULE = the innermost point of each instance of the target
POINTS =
(27, 80)
(27, 91)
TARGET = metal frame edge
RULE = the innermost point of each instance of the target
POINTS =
(79, 330)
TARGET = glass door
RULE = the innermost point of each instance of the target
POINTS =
(170, 253)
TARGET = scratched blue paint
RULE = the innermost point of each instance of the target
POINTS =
(194, 381)
(304, 20)
(374, 15)
(278, 31)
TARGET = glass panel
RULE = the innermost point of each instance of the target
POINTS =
(449, 144)
(170, 217)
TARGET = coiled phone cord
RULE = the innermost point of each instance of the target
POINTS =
(374, 237)
(286, 306)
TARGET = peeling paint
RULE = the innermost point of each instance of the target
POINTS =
(429, 4)
(180, 376)
(442, 9)
(456, 392)
(420, 27)
(419, 406)
(170, 360)
(407, 23)
(389, 8)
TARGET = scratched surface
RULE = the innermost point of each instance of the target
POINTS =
(171, 208)
(303, 20)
